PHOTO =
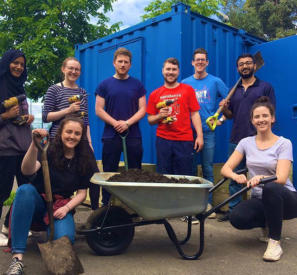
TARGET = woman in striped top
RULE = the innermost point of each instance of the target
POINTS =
(57, 106)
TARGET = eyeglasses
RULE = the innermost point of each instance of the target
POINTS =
(200, 60)
(73, 69)
(248, 63)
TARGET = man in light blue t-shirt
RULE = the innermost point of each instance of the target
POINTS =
(208, 89)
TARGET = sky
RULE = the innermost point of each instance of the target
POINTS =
(127, 11)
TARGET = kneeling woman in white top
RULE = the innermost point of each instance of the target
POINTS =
(266, 154)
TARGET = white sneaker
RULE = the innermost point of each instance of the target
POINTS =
(16, 267)
(5, 231)
(264, 235)
(3, 240)
(212, 215)
(195, 220)
(273, 252)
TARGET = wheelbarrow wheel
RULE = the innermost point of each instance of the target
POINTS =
(111, 241)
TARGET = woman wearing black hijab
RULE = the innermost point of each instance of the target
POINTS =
(15, 137)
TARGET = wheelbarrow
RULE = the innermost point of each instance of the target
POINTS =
(110, 230)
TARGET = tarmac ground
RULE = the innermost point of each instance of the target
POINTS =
(226, 251)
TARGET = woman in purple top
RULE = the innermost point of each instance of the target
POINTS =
(57, 106)
(266, 154)
(15, 136)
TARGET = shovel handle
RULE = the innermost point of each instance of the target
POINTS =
(123, 137)
(216, 115)
(212, 121)
(46, 179)
(41, 147)
(259, 63)
(44, 164)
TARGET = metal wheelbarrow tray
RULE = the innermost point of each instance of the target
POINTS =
(110, 230)
(154, 201)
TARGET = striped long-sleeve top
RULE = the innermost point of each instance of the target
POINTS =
(56, 99)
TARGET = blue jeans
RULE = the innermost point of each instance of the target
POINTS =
(174, 157)
(234, 186)
(28, 207)
(206, 156)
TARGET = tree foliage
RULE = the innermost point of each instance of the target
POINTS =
(158, 7)
(270, 19)
(47, 31)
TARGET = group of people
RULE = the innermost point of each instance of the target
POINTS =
(178, 109)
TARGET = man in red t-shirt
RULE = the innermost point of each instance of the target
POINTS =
(172, 107)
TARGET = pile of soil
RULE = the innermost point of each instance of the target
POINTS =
(136, 175)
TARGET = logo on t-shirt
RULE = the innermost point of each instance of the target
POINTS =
(174, 110)
(202, 96)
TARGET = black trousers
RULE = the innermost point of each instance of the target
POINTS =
(10, 166)
(277, 204)
(111, 154)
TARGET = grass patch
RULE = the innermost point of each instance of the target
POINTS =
(9, 201)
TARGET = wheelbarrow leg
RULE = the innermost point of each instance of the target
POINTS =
(177, 244)
(189, 232)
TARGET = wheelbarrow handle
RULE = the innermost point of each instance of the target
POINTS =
(243, 190)
(246, 188)
(241, 171)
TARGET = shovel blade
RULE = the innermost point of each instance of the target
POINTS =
(259, 60)
(60, 258)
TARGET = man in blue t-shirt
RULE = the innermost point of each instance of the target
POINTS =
(120, 103)
(238, 108)
(208, 89)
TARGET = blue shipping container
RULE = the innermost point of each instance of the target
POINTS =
(174, 34)
(280, 70)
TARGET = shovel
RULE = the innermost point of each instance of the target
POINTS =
(58, 255)
(212, 120)
(95, 214)
(123, 137)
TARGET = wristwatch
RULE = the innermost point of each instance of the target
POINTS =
(222, 120)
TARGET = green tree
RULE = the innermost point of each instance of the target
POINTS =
(270, 19)
(205, 7)
(47, 31)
